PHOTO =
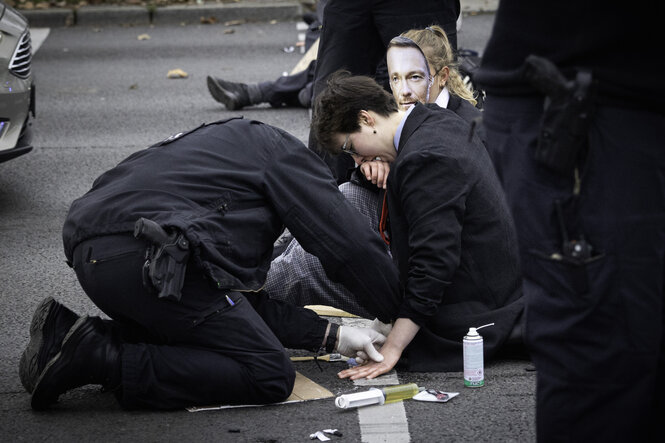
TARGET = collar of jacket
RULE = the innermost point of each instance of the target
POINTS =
(418, 115)
(454, 102)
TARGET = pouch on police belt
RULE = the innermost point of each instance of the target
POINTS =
(166, 258)
(566, 116)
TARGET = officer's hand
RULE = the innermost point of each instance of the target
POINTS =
(381, 328)
(359, 341)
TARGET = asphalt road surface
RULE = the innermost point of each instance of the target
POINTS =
(103, 93)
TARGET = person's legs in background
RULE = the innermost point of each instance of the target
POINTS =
(286, 90)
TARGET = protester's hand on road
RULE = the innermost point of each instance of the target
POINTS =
(376, 171)
(398, 339)
(373, 369)
(352, 341)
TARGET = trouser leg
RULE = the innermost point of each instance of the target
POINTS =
(285, 91)
(595, 329)
(200, 350)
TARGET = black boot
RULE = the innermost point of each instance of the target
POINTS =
(234, 95)
(90, 354)
(49, 325)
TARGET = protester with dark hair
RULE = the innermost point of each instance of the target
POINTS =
(449, 230)
(577, 141)
(189, 323)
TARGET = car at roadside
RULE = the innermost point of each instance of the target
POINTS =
(17, 90)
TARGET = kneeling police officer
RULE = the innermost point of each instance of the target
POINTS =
(174, 244)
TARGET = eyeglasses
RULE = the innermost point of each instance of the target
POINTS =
(347, 148)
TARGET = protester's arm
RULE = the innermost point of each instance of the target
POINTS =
(432, 190)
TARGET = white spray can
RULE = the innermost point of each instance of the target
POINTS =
(474, 365)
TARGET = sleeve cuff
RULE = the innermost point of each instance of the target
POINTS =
(331, 341)
(406, 311)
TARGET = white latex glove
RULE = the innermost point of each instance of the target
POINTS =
(381, 328)
(359, 342)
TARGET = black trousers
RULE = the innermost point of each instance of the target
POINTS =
(201, 350)
(355, 35)
(290, 90)
(595, 330)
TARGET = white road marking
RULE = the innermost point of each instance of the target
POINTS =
(37, 37)
(384, 423)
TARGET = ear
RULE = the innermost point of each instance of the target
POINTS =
(365, 118)
(444, 74)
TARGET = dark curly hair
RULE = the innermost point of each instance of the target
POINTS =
(337, 108)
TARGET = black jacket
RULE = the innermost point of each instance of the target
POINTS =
(469, 114)
(578, 35)
(231, 186)
(453, 239)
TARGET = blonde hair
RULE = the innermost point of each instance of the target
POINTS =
(434, 43)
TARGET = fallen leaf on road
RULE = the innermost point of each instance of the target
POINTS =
(134, 86)
(229, 31)
(234, 22)
(143, 37)
(177, 73)
(208, 20)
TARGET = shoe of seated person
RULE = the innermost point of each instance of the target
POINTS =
(50, 323)
(232, 95)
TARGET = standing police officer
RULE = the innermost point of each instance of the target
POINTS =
(574, 120)
(189, 324)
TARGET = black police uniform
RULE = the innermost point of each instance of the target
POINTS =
(229, 187)
(595, 316)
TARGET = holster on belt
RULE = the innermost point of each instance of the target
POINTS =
(166, 258)
(567, 113)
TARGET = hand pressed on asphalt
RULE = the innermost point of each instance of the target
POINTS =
(398, 339)
(373, 369)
